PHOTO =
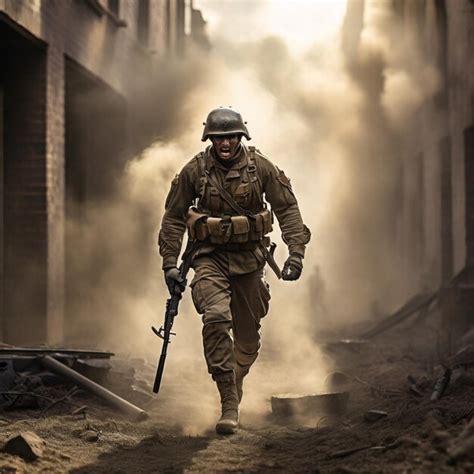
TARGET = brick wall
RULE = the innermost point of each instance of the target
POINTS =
(25, 196)
(34, 104)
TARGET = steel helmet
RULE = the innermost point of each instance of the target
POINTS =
(224, 121)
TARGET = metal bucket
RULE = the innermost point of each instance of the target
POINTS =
(311, 405)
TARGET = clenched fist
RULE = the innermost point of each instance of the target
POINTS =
(292, 268)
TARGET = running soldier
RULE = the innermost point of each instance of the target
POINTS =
(220, 197)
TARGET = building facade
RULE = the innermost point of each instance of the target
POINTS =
(66, 85)
(434, 221)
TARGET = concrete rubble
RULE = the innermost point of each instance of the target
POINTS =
(28, 445)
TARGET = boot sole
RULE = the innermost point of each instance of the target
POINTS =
(226, 429)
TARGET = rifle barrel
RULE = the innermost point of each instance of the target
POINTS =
(159, 372)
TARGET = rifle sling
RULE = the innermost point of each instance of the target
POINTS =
(228, 198)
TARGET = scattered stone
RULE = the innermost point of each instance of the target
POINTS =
(413, 386)
(374, 415)
(464, 357)
(411, 379)
(415, 391)
(440, 440)
(390, 439)
(431, 456)
(409, 442)
(28, 445)
(89, 436)
(463, 446)
(270, 445)
(441, 384)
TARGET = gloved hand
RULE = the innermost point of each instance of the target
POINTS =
(174, 281)
(292, 268)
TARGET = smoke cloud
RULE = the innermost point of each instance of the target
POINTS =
(329, 113)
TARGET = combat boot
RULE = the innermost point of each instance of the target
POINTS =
(229, 420)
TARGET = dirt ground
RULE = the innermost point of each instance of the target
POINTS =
(417, 435)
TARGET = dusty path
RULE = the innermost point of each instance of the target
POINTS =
(421, 434)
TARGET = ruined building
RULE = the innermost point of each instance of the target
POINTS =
(66, 88)
(433, 219)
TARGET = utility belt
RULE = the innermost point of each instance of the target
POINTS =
(228, 229)
(237, 247)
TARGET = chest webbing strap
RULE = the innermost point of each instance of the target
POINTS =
(225, 195)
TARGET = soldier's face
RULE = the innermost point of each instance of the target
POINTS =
(226, 146)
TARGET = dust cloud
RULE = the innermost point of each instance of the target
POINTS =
(328, 110)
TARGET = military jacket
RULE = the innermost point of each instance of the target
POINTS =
(252, 180)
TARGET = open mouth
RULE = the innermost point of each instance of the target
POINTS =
(224, 152)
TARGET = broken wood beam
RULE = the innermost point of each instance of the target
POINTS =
(441, 385)
(69, 352)
(110, 397)
(412, 306)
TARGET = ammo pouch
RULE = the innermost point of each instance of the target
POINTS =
(261, 225)
(240, 229)
(220, 230)
(196, 224)
(234, 229)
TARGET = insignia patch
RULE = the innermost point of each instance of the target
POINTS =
(284, 179)
(173, 190)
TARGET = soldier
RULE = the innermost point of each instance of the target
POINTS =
(219, 197)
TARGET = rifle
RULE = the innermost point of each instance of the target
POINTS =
(172, 304)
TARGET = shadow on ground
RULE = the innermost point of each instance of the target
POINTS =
(153, 454)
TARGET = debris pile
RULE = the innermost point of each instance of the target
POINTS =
(41, 379)
(410, 401)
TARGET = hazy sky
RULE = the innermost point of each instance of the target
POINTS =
(299, 22)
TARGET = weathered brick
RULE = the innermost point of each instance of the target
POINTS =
(34, 86)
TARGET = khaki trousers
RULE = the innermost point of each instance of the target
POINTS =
(232, 307)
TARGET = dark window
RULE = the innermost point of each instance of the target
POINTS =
(143, 21)
(113, 6)
(469, 171)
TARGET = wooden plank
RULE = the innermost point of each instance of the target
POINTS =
(41, 351)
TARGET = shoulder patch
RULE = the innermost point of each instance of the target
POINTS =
(283, 179)
(175, 180)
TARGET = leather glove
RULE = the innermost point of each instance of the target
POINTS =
(174, 281)
(292, 268)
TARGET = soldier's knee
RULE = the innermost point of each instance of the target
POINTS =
(246, 354)
(248, 347)
(217, 312)
(216, 325)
